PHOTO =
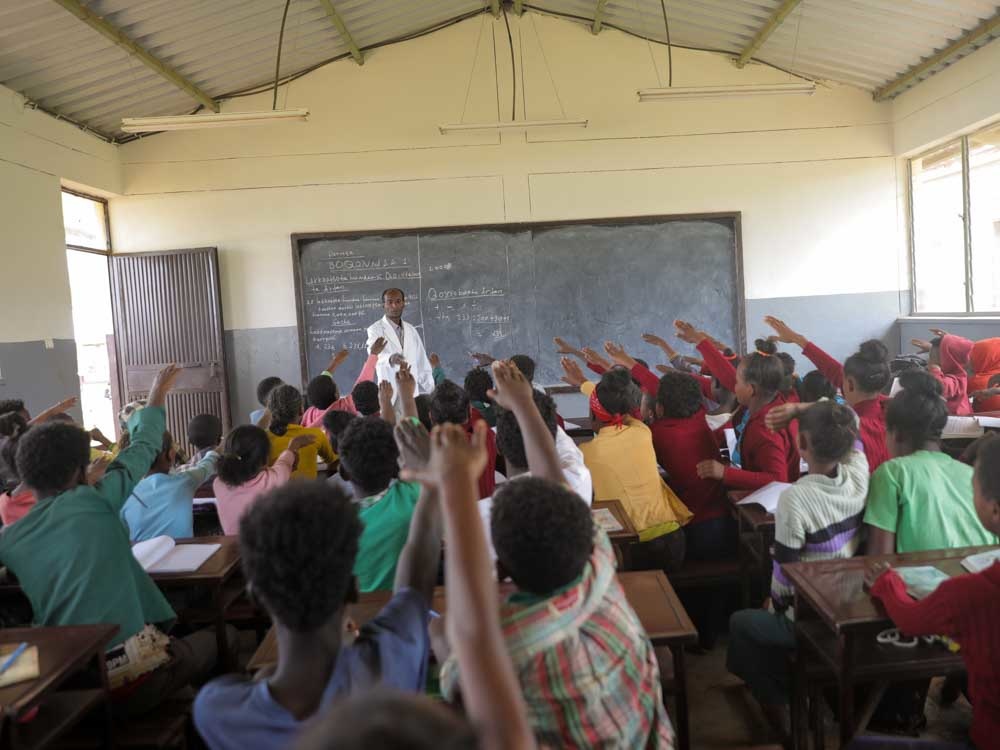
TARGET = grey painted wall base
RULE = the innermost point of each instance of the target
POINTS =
(252, 354)
(837, 323)
(39, 376)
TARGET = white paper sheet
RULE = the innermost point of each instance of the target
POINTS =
(184, 558)
(980, 562)
(606, 520)
(962, 427)
(767, 496)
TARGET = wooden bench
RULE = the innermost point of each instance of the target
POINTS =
(694, 575)
(163, 728)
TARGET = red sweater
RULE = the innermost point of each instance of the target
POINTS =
(871, 413)
(966, 609)
(766, 456)
(680, 444)
(488, 479)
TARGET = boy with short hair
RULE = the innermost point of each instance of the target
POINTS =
(264, 388)
(76, 527)
(450, 405)
(365, 397)
(204, 433)
(369, 460)
(299, 545)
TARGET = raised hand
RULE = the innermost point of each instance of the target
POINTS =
(593, 358)
(397, 360)
(619, 355)
(783, 333)
(511, 389)
(710, 470)
(338, 359)
(938, 331)
(99, 437)
(414, 443)
(573, 374)
(452, 455)
(405, 381)
(664, 369)
(687, 332)
(299, 442)
(385, 394)
(162, 385)
(435, 360)
(779, 417)
(481, 359)
(378, 345)
(921, 345)
(564, 347)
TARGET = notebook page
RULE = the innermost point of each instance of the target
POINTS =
(149, 552)
(767, 496)
(185, 558)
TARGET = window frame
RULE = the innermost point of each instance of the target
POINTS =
(969, 312)
(107, 223)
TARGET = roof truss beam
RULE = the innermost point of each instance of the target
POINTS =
(595, 27)
(988, 28)
(777, 18)
(341, 27)
(518, 7)
(495, 8)
(121, 39)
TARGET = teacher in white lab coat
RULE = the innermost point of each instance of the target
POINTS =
(404, 343)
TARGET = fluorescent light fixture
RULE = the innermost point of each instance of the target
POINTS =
(725, 92)
(211, 120)
(461, 127)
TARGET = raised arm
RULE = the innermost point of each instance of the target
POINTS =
(830, 368)
(929, 616)
(661, 343)
(371, 363)
(336, 361)
(490, 690)
(721, 367)
(649, 383)
(418, 562)
(63, 406)
(514, 393)
(385, 394)
(595, 361)
(407, 389)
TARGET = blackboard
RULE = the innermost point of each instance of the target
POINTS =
(510, 289)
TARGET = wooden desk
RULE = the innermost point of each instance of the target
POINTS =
(648, 591)
(62, 653)
(836, 619)
(623, 539)
(756, 527)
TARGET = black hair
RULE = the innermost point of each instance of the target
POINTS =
(918, 413)
(510, 441)
(617, 393)
(424, 410)
(679, 395)
(449, 404)
(477, 382)
(764, 369)
(988, 467)
(642, 362)
(204, 431)
(50, 456)
(869, 367)
(526, 365)
(369, 454)
(335, 422)
(815, 386)
(298, 543)
(61, 417)
(832, 429)
(322, 391)
(386, 718)
(265, 386)
(542, 532)
(788, 386)
(365, 396)
(13, 427)
(394, 289)
(244, 455)
(285, 405)
(9, 405)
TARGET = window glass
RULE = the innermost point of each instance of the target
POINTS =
(84, 221)
(984, 216)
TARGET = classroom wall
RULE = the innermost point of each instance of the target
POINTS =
(37, 353)
(814, 177)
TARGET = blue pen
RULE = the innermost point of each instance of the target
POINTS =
(9, 661)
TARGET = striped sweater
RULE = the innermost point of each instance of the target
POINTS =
(818, 518)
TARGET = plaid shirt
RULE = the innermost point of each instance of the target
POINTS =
(585, 665)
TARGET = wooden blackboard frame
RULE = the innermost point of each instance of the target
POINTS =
(298, 238)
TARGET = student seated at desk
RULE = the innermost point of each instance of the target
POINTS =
(450, 405)
(623, 467)
(204, 433)
(285, 407)
(334, 424)
(264, 388)
(322, 390)
(478, 383)
(818, 518)
(762, 455)
(585, 664)
(921, 499)
(72, 555)
(243, 473)
(16, 499)
(366, 401)
(161, 504)
(966, 609)
(299, 544)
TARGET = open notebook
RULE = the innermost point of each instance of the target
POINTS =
(162, 554)
(767, 496)
(980, 562)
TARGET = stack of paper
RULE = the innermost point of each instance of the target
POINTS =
(767, 496)
(163, 555)
(980, 562)
(922, 580)
(606, 520)
(962, 427)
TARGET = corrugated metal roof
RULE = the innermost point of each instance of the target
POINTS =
(227, 46)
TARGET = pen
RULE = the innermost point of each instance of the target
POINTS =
(9, 661)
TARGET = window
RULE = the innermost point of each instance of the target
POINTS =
(955, 239)
(86, 222)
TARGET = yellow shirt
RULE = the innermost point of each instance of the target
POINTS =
(308, 455)
(623, 467)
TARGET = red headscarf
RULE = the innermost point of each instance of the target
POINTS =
(606, 417)
(985, 360)
(955, 352)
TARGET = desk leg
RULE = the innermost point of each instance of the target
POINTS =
(847, 648)
(681, 698)
(225, 657)
(102, 676)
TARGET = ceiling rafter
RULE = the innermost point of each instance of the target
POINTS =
(341, 27)
(598, 16)
(985, 30)
(495, 8)
(120, 38)
(777, 17)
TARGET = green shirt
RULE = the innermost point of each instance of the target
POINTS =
(926, 500)
(387, 525)
(71, 553)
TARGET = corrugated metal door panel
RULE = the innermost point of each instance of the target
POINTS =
(167, 308)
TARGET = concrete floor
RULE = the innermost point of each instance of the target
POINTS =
(724, 715)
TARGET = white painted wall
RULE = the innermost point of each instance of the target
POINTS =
(814, 177)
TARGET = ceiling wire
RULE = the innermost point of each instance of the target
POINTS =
(641, 12)
(670, 53)
(545, 59)
(472, 71)
(277, 62)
